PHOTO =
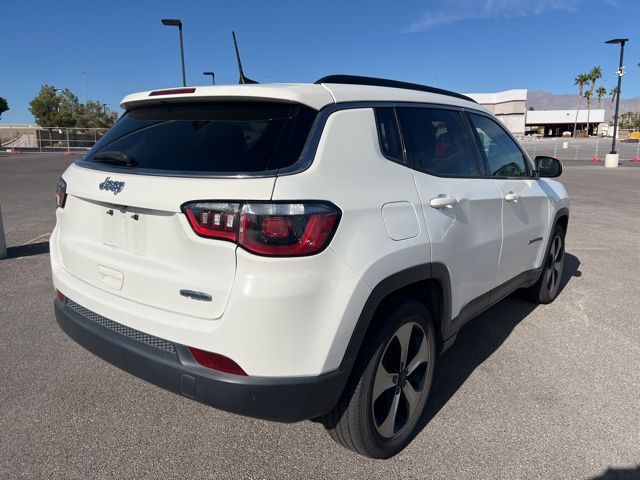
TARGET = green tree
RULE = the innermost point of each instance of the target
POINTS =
(580, 81)
(51, 109)
(4, 106)
(601, 92)
(93, 115)
(629, 121)
(594, 75)
(614, 93)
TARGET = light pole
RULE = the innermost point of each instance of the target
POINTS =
(213, 77)
(84, 88)
(174, 22)
(612, 158)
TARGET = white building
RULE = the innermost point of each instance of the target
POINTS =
(510, 106)
(552, 123)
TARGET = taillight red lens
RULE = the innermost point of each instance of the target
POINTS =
(276, 228)
(61, 193)
(216, 361)
(272, 229)
(214, 220)
(286, 229)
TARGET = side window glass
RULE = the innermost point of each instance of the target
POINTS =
(437, 142)
(388, 133)
(503, 156)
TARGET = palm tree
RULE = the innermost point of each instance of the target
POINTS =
(594, 75)
(614, 94)
(581, 80)
(600, 92)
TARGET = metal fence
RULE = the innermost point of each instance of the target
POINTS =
(570, 149)
(47, 139)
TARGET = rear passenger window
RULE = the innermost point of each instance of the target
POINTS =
(437, 142)
(388, 133)
(504, 157)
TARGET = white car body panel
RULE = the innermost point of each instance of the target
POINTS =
(314, 96)
(524, 227)
(286, 317)
(465, 237)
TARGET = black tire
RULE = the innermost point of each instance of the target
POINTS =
(546, 289)
(357, 421)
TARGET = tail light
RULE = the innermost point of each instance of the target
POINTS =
(215, 220)
(216, 361)
(61, 193)
(270, 229)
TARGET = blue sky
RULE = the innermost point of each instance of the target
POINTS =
(463, 45)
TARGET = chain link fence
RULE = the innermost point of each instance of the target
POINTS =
(26, 138)
(572, 149)
(16, 138)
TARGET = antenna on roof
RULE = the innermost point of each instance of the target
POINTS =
(243, 79)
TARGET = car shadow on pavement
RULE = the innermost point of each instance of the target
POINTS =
(478, 340)
(632, 473)
(28, 250)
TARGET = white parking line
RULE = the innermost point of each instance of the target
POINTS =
(34, 239)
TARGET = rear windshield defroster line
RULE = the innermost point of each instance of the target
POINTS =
(210, 137)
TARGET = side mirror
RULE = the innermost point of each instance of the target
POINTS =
(548, 167)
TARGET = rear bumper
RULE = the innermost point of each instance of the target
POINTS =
(283, 399)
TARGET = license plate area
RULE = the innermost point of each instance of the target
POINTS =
(125, 229)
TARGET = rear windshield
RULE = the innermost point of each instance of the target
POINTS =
(222, 137)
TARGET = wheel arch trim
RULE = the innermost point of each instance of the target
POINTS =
(388, 286)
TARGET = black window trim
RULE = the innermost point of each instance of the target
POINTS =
(405, 162)
(401, 161)
(531, 174)
(308, 153)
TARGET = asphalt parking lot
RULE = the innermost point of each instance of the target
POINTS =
(549, 392)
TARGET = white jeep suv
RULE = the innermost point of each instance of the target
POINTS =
(301, 251)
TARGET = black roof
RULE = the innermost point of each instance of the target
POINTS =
(383, 82)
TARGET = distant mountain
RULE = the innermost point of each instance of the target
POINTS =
(551, 101)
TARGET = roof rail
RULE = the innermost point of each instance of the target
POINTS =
(383, 82)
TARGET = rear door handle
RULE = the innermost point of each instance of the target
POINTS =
(442, 201)
(511, 197)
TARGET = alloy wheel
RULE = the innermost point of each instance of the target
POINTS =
(553, 270)
(400, 379)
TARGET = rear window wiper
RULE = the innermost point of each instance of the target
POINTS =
(120, 159)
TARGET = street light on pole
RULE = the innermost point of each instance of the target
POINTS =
(213, 77)
(174, 22)
(611, 159)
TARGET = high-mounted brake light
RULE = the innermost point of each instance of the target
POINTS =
(172, 91)
(270, 229)
(216, 361)
(61, 193)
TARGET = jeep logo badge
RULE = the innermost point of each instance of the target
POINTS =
(111, 186)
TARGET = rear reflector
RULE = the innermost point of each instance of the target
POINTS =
(60, 296)
(173, 91)
(269, 229)
(216, 362)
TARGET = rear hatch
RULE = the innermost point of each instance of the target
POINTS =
(122, 229)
